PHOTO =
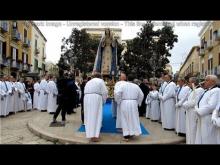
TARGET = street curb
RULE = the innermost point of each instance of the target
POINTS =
(51, 137)
(60, 140)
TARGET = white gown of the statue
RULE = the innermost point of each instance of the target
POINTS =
(106, 56)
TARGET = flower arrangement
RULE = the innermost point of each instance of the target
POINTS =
(110, 86)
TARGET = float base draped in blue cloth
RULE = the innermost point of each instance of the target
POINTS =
(109, 123)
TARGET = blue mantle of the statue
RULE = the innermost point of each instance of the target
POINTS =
(98, 59)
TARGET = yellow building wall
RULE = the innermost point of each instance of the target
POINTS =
(30, 48)
(216, 46)
(194, 57)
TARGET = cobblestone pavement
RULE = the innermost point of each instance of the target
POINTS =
(13, 129)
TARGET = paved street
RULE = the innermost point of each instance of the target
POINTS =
(14, 129)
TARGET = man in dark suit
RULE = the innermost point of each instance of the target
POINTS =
(71, 93)
(145, 89)
(82, 87)
(62, 97)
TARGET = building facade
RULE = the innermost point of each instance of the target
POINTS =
(210, 49)
(191, 65)
(15, 47)
(52, 69)
(38, 44)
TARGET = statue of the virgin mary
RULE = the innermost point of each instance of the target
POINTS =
(106, 57)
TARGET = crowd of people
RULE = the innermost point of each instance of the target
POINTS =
(188, 107)
(16, 95)
(34, 94)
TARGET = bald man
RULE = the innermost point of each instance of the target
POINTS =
(123, 79)
(206, 132)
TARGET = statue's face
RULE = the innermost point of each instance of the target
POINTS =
(107, 32)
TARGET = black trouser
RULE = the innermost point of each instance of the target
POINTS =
(142, 109)
(63, 113)
(82, 112)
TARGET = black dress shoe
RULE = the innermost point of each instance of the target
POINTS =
(182, 134)
(169, 129)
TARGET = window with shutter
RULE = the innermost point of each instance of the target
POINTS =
(4, 49)
(13, 52)
(16, 50)
(26, 58)
(1, 49)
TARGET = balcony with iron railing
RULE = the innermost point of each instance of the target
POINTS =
(217, 35)
(37, 51)
(16, 35)
(15, 64)
(202, 52)
(3, 26)
(209, 45)
(25, 67)
(44, 56)
(3, 61)
(26, 43)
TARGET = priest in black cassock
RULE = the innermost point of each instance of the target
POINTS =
(145, 89)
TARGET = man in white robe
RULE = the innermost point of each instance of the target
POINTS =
(129, 96)
(169, 101)
(43, 98)
(206, 132)
(21, 94)
(181, 97)
(16, 101)
(161, 90)
(3, 95)
(52, 95)
(154, 104)
(216, 121)
(123, 79)
(148, 106)
(36, 94)
(28, 101)
(15, 95)
(189, 106)
(95, 97)
(11, 95)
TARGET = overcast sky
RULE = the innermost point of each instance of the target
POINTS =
(187, 32)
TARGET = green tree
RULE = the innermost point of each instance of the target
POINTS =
(80, 50)
(145, 55)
